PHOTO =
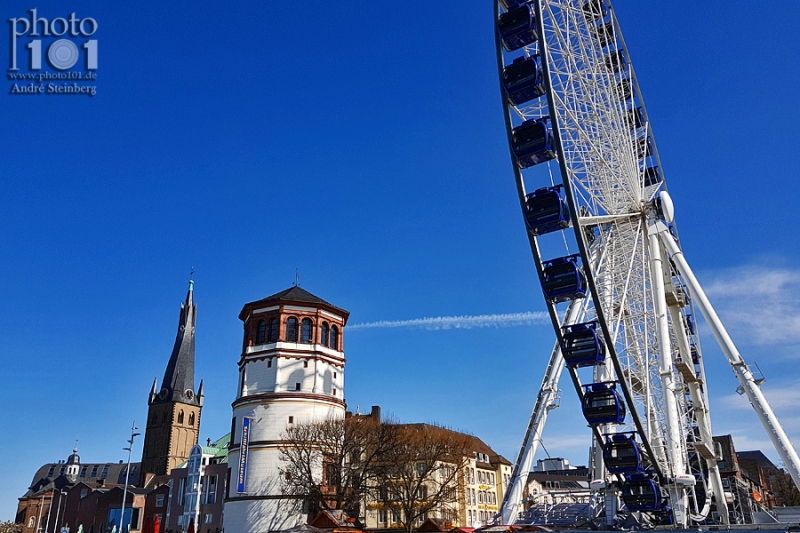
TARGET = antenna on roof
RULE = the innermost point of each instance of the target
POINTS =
(296, 277)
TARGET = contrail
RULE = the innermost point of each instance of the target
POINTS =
(461, 322)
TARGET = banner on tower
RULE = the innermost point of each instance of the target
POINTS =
(242, 476)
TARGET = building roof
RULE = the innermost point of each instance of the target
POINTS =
(50, 476)
(295, 294)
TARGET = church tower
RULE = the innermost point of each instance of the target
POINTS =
(291, 371)
(173, 417)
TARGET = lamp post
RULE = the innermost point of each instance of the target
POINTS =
(129, 449)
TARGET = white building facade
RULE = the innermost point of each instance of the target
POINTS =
(291, 371)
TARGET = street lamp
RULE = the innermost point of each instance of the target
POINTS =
(61, 495)
(129, 449)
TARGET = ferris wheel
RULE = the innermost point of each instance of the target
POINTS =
(619, 292)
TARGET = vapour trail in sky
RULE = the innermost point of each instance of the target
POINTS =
(503, 320)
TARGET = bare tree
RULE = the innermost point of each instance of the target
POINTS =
(333, 463)
(421, 473)
(785, 490)
(10, 527)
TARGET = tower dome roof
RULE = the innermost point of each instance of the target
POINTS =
(74, 459)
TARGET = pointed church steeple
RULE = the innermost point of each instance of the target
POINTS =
(173, 420)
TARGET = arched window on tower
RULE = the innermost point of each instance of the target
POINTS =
(191, 419)
(261, 332)
(291, 329)
(180, 416)
(325, 330)
(306, 331)
(273, 330)
(334, 338)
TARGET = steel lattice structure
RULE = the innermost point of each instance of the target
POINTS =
(604, 241)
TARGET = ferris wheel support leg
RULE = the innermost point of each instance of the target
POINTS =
(545, 401)
(675, 449)
(768, 419)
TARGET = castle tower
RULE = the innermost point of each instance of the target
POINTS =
(291, 370)
(173, 417)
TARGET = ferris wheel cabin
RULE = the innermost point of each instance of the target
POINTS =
(604, 34)
(602, 404)
(546, 210)
(563, 280)
(594, 9)
(532, 143)
(582, 346)
(652, 176)
(640, 493)
(522, 80)
(517, 27)
(615, 61)
(621, 454)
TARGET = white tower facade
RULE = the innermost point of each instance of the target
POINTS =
(291, 371)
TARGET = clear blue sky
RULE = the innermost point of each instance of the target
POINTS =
(363, 145)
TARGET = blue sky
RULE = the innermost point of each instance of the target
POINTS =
(363, 145)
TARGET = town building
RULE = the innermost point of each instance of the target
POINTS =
(72, 494)
(291, 370)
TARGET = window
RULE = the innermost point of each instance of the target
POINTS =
(291, 330)
(325, 330)
(31, 522)
(305, 364)
(261, 332)
(209, 518)
(191, 419)
(159, 500)
(420, 469)
(291, 420)
(272, 335)
(381, 516)
(182, 491)
(83, 471)
(269, 362)
(105, 472)
(395, 516)
(84, 493)
(334, 392)
(334, 338)
(306, 331)
(93, 474)
(212, 489)
(180, 416)
(296, 386)
(334, 375)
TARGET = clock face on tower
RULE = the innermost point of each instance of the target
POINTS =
(189, 394)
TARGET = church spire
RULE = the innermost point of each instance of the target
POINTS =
(178, 382)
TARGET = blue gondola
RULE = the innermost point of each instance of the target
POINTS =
(621, 454)
(523, 80)
(615, 61)
(517, 27)
(533, 143)
(604, 35)
(563, 279)
(635, 118)
(625, 90)
(695, 354)
(594, 9)
(582, 346)
(640, 493)
(652, 176)
(602, 404)
(690, 324)
(644, 147)
(546, 210)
